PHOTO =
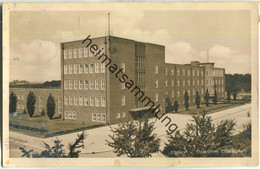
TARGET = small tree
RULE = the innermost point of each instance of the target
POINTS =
(134, 139)
(228, 96)
(12, 102)
(186, 100)
(215, 98)
(235, 95)
(207, 98)
(169, 107)
(176, 106)
(57, 150)
(31, 99)
(201, 139)
(197, 99)
(50, 106)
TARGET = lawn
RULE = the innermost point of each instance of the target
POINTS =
(212, 107)
(42, 126)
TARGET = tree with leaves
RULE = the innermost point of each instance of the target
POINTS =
(197, 99)
(134, 139)
(235, 95)
(186, 100)
(50, 106)
(12, 102)
(206, 97)
(228, 96)
(57, 151)
(31, 100)
(215, 98)
(169, 107)
(201, 139)
(176, 106)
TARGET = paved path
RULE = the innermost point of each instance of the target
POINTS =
(96, 139)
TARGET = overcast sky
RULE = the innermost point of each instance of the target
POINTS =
(35, 37)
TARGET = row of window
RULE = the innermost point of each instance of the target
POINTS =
(84, 68)
(85, 101)
(20, 97)
(85, 84)
(121, 115)
(81, 52)
(184, 72)
(211, 91)
(72, 115)
(210, 82)
(98, 117)
(20, 106)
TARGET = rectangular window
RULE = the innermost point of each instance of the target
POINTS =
(172, 93)
(188, 73)
(65, 84)
(123, 67)
(118, 115)
(122, 85)
(75, 69)
(103, 118)
(156, 84)
(202, 82)
(172, 72)
(81, 100)
(70, 53)
(65, 52)
(123, 115)
(103, 85)
(74, 115)
(75, 84)
(98, 117)
(123, 100)
(70, 100)
(201, 73)
(156, 69)
(198, 82)
(91, 68)
(166, 83)
(59, 104)
(75, 53)
(102, 65)
(80, 69)
(65, 100)
(96, 67)
(178, 83)
(172, 83)
(80, 52)
(97, 84)
(193, 73)
(70, 84)
(65, 69)
(183, 83)
(75, 100)
(86, 85)
(198, 72)
(85, 52)
(94, 117)
(70, 69)
(97, 101)
(91, 85)
(86, 68)
(178, 93)
(81, 84)
(103, 101)
(85, 101)
(183, 72)
(156, 97)
(92, 101)
(188, 83)
(90, 54)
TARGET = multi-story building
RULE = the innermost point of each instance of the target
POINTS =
(92, 92)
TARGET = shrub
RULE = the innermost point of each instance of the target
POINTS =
(50, 106)
(43, 112)
(12, 102)
(134, 139)
(57, 150)
(176, 106)
(31, 99)
(215, 98)
(186, 100)
(197, 99)
(201, 139)
(206, 97)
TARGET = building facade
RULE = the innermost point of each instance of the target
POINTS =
(91, 90)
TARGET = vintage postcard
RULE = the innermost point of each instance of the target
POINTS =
(130, 84)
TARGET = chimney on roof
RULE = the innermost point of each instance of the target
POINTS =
(195, 63)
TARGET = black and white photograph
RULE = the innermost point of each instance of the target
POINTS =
(130, 84)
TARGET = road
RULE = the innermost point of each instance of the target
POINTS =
(95, 143)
